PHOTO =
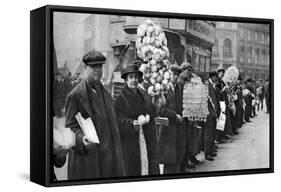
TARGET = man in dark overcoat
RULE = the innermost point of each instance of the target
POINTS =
(239, 104)
(210, 126)
(173, 138)
(267, 96)
(88, 160)
(248, 101)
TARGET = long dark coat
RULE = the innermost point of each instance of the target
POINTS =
(172, 139)
(239, 107)
(248, 101)
(210, 126)
(96, 160)
(128, 106)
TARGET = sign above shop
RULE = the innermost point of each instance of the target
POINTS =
(201, 29)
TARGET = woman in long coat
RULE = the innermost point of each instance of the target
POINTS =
(129, 106)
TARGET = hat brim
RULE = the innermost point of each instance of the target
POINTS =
(95, 63)
(176, 70)
(124, 75)
(221, 70)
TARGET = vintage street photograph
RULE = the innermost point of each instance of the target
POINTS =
(138, 96)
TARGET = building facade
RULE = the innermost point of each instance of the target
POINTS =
(224, 53)
(244, 45)
(253, 50)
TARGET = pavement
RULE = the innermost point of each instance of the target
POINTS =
(247, 150)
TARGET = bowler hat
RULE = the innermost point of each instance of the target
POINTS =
(131, 69)
(94, 57)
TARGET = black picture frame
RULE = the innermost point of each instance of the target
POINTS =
(41, 38)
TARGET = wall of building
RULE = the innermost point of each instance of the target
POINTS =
(226, 34)
(253, 50)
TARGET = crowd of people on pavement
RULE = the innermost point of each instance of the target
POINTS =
(131, 143)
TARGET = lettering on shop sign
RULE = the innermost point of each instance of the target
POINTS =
(201, 29)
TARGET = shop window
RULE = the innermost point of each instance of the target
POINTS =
(227, 48)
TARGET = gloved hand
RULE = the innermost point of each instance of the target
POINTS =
(142, 120)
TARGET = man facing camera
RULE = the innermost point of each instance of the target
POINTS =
(87, 159)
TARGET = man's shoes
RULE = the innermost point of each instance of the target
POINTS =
(248, 121)
(194, 160)
(190, 165)
(214, 155)
(226, 137)
(235, 132)
(209, 158)
(215, 151)
(221, 141)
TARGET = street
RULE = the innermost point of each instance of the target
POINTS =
(247, 150)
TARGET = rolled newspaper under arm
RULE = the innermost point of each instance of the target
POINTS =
(88, 128)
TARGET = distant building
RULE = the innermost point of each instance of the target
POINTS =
(224, 51)
(253, 50)
(244, 45)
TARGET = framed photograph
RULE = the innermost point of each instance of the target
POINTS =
(125, 95)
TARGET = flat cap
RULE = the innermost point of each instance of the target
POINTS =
(94, 58)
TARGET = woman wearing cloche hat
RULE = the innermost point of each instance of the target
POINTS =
(134, 115)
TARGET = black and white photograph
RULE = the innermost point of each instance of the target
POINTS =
(146, 96)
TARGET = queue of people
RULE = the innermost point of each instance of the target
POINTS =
(130, 141)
